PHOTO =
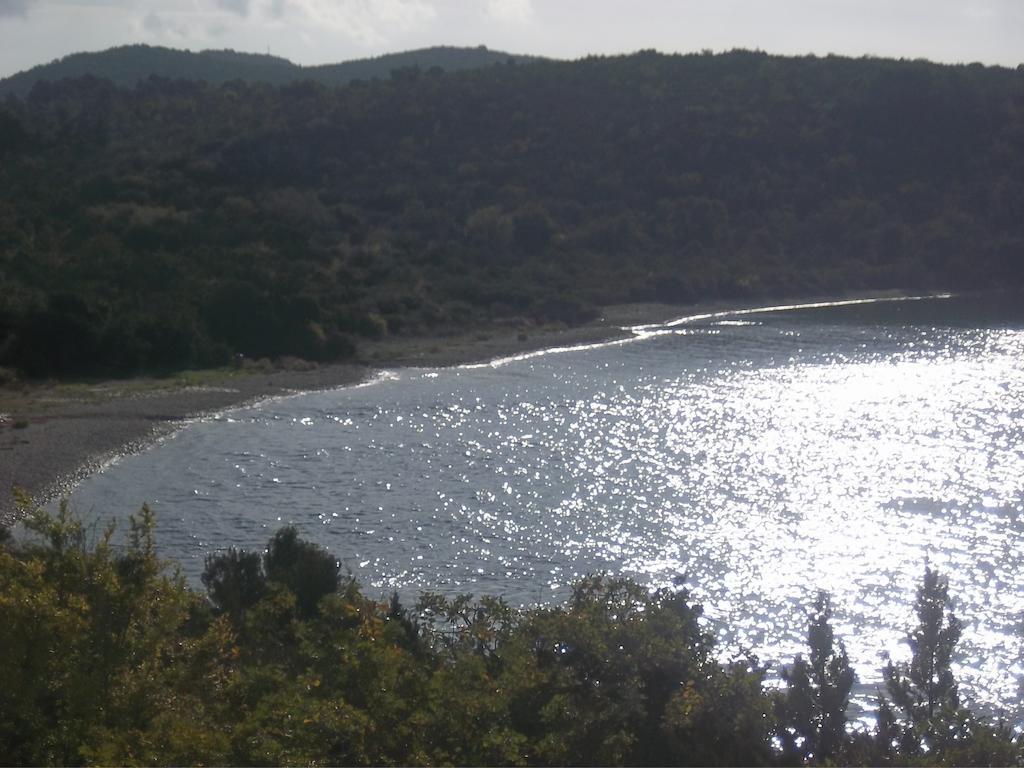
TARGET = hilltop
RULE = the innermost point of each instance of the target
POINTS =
(127, 65)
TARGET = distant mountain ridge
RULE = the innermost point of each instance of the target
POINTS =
(126, 65)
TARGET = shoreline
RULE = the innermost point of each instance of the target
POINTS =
(52, 436)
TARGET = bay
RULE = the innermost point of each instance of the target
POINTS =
(760, 455)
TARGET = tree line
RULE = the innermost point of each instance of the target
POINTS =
(109, 658)
(125, 65)
(179, 223)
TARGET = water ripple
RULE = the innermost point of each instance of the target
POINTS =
(764, 458)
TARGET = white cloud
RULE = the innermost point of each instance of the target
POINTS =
(241, 7)
(510, 10)
(171, 27)
(187, 23)
(368, 22)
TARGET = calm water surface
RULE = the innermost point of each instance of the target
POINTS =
(764, 455)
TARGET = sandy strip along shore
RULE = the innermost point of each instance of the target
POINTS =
(52, 435)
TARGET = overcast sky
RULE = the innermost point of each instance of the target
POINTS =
(320, 31)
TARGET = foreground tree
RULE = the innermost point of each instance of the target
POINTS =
(308, 571)
(627, 677)
(107, 659)
(813, 709)
(924, 689)
(924, 722)
(86, 631)
(234, 581)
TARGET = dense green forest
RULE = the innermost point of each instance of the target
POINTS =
(177, 223)
(108, 658)
(128, 64)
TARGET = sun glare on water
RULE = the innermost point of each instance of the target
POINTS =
(762, 455)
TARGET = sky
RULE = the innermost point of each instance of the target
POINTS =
(324, 31)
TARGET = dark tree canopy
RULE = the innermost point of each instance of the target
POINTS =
(193, 221)
(234, 581)
(127, 64)
(924, 689)
(813, 712)
(108, 659)
(305, 569)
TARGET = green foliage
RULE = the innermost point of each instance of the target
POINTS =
(813, 710)
(303, 568)
(85, 634)
(109, 660)
(234, 581)
(128, 64)
(923, 722)
(197, 220)
(924, 690)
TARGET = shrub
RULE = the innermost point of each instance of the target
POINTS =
(304, 568)
(234, 581)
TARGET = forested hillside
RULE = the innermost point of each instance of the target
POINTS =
(126, 65)
(177, 223)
